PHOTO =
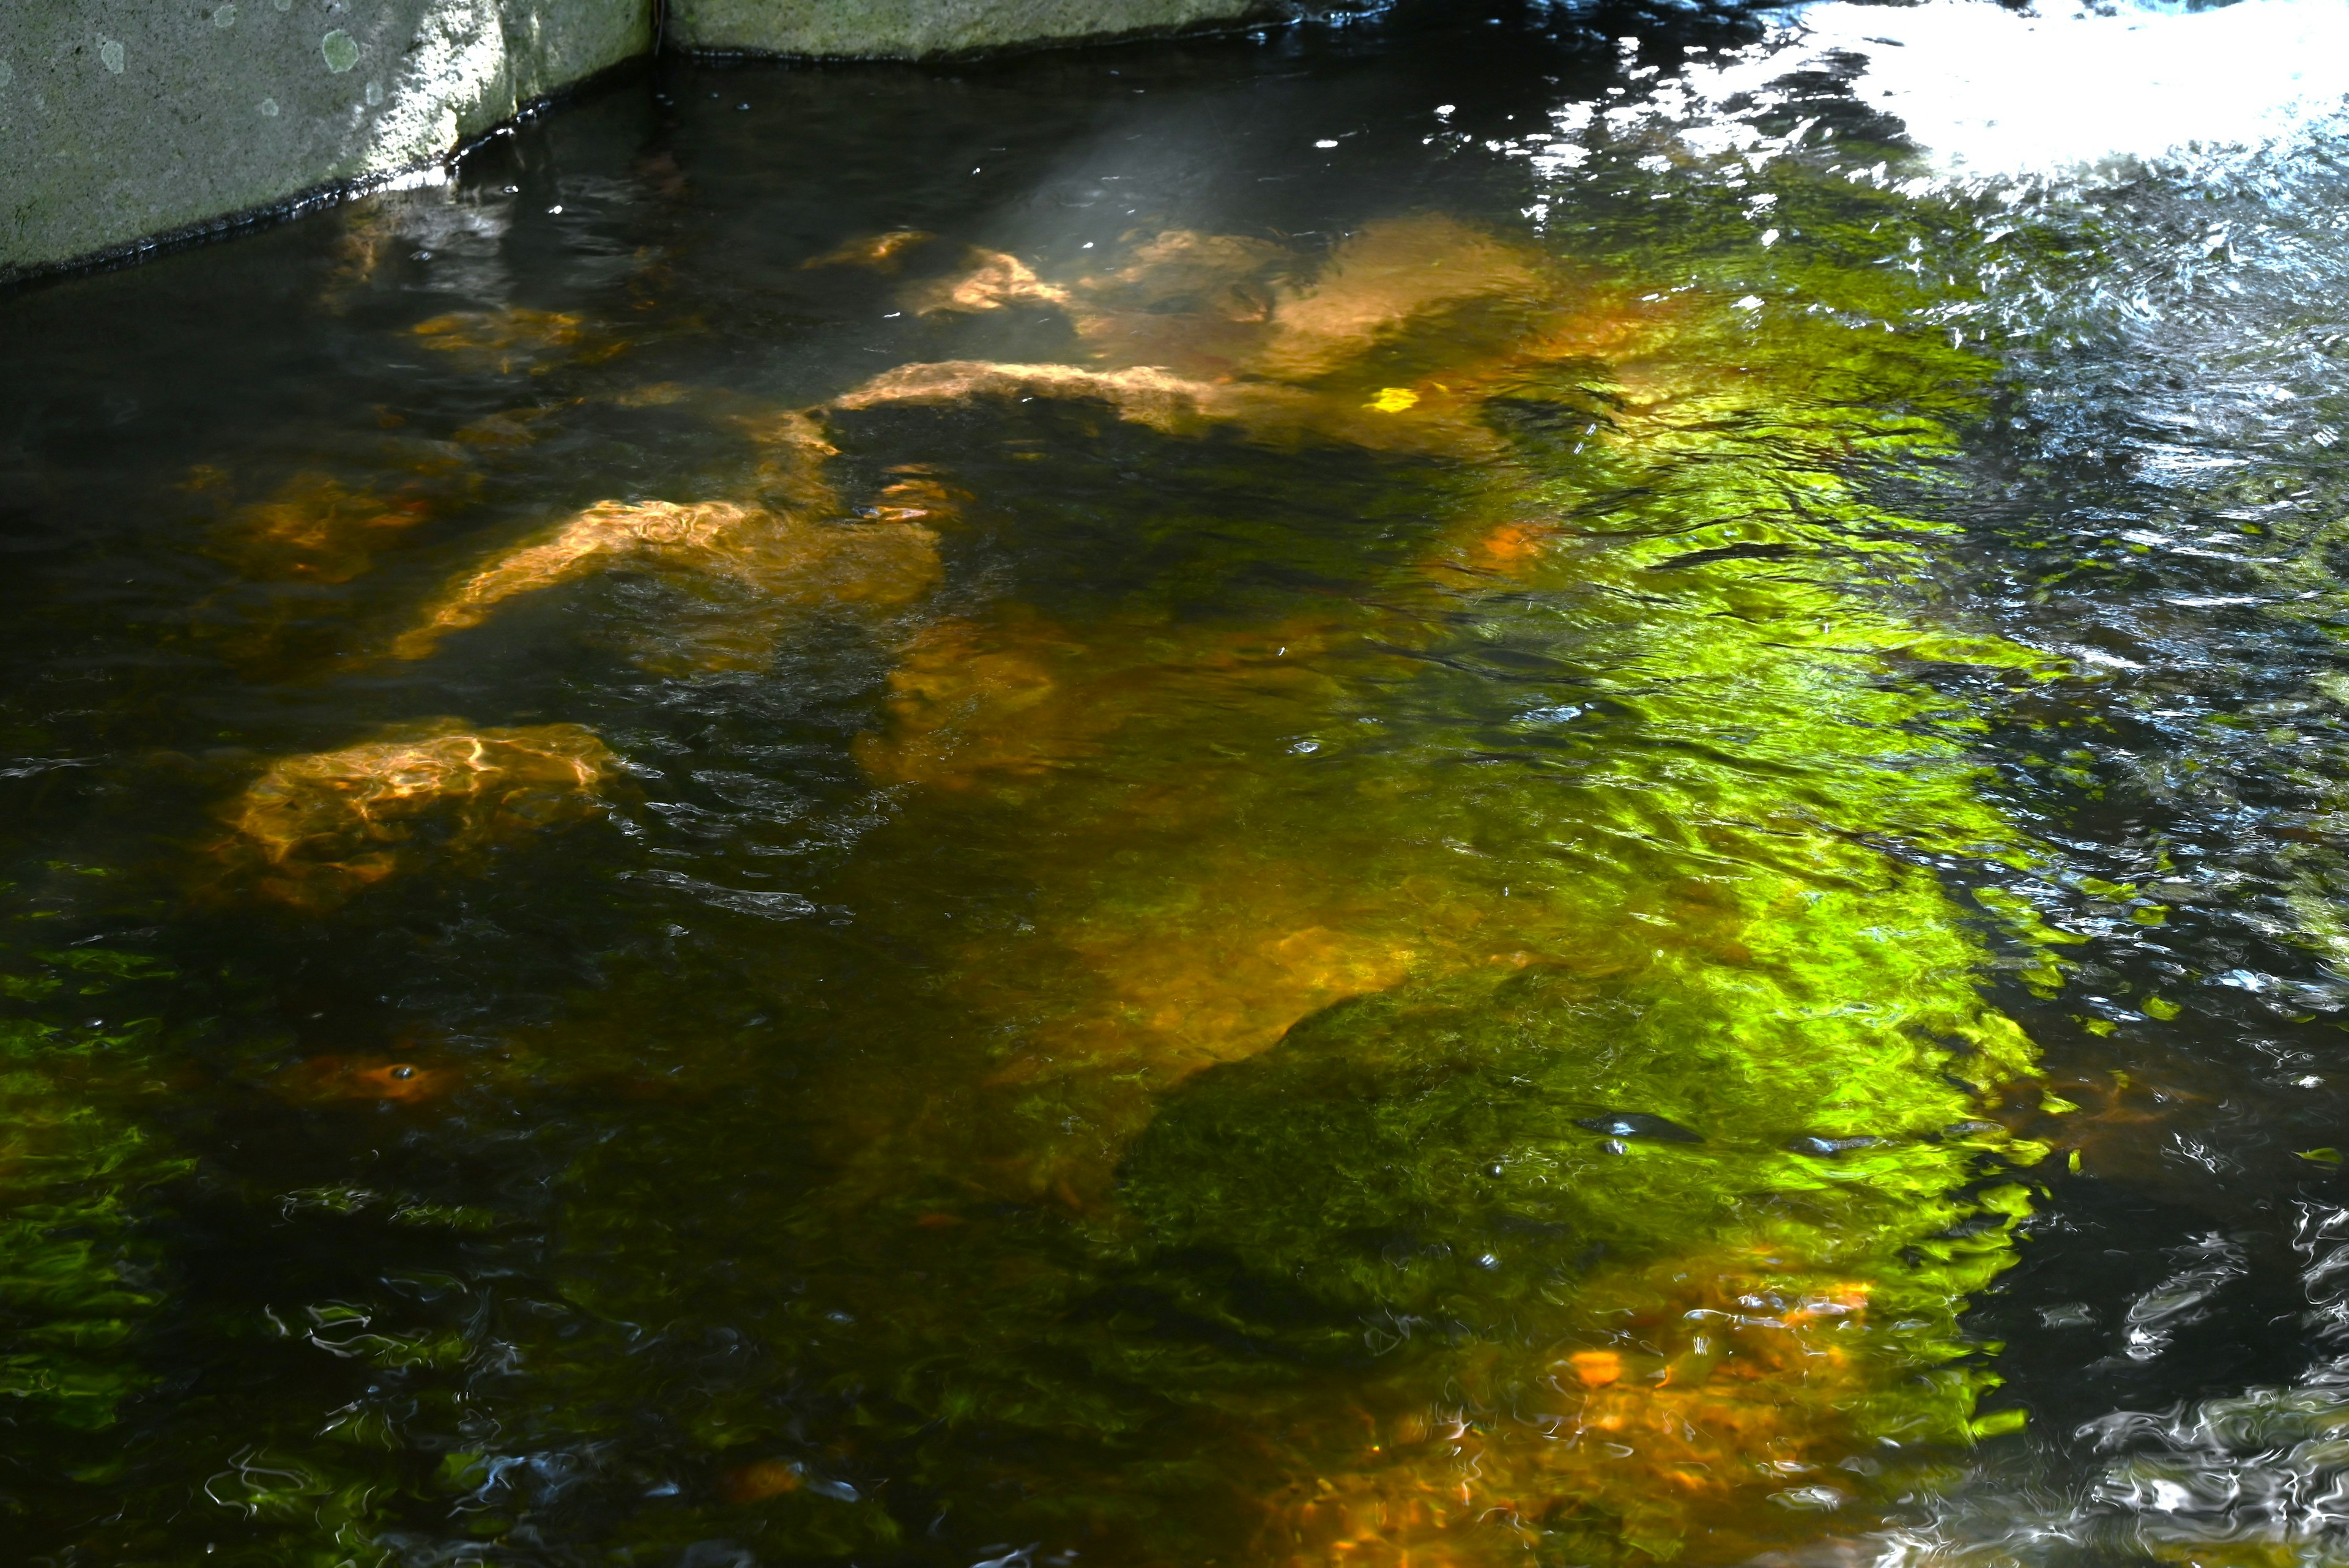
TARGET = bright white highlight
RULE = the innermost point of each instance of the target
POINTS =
(1989, 92)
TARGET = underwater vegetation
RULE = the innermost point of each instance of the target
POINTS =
(1273, 900)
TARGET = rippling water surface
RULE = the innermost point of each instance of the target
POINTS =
(1445, 789)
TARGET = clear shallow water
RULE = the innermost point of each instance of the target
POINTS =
(1550, 831)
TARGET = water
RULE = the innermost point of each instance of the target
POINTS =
(1267, 800)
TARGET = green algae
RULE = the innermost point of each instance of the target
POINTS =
(80, 1164)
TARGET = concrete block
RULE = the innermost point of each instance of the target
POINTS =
(124, 119)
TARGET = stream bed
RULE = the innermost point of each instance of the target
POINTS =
(1454, 787)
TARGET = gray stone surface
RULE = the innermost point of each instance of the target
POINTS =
(124, 119)
(120, 118)
(906, 29)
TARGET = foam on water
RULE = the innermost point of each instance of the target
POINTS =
(1990, 92)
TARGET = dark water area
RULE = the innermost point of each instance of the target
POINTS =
(1271, 799)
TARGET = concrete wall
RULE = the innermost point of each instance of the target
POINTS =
(125, 120)
(121, 119)
(906, 29)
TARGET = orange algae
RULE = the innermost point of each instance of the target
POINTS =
(961, 704)
(1264, 311)
(509, 427)
(793, 449)
(326, 1079)
(1720, 1421)
(993, 280)
(319, 528)
(1386, 278)
(760, 1480)
(1184, 272)
(515, 337)
(581, 545)
(917, 493)
(883, 253)
(1512, 544)
(1144, 394)
(652, 395)
(315, 830)
(1182, 999)
(973, 702)
(782, 558)
(1173, 404)
(752, 562)
(1196, 302)
(1194, 331)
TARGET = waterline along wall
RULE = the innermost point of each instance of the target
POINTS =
(912, 28)
(124, 122)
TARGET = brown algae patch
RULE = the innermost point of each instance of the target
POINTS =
(1173, 404)
(918, 492)
(318, 528)
(966, 701)
(314, 830)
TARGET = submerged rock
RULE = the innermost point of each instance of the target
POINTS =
(1392, 341)
(581, 545)
(780, 559)
(315, 830)
(1145, 394)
